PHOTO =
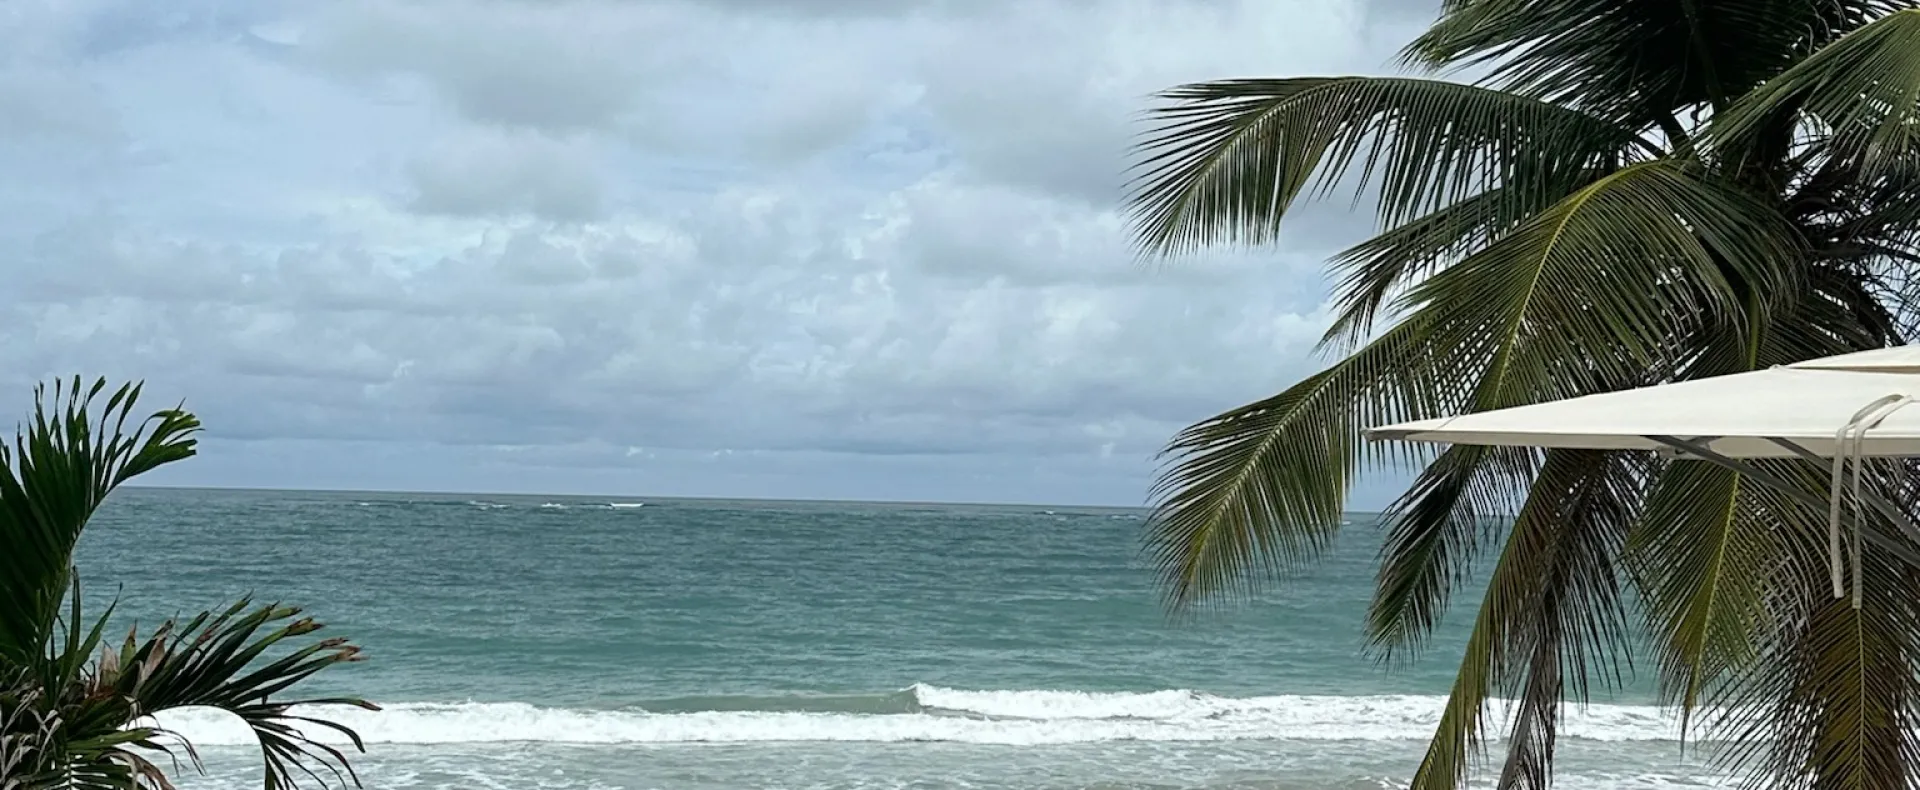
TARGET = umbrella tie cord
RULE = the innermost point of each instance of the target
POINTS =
(1850, 443)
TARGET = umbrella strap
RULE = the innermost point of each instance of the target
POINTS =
(1850, 444)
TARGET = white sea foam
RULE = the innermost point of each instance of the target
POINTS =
(999, 717)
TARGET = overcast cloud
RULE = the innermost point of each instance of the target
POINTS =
(789, 248)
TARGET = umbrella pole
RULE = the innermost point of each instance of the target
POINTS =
(1698, 449)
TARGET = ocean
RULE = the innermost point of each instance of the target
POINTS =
(522, 642)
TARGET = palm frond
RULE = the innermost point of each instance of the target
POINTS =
(1551, 609)
(1705, 561)
(1614, 266)
(1370, 272)
(1230, 158)
(1588, 295)
(1707, 555)
(1868, 225)
(61, 467)
(1830, 700)
(1433, 535)
(1554, 316)
(1261, 486)
(218, 659)
(1635, 62)
(1863, 88)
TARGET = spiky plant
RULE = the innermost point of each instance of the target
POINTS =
(1626, 193)
(75, 711)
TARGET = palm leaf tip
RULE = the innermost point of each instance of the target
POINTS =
(1260, 489)
(1228, 159)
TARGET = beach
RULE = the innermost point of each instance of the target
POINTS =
(627, 642)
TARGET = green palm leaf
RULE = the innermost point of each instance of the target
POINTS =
(1433, 537)
(1620, 263)
(1705, 560)
(1546, 293)
(1230, 158)
(1262, 486)
(1862, 89)
(1372, 271)
(1551, 608)
(1635, 62)
(62, 466)
(1831, 701)
(74, 711)
(219, 659)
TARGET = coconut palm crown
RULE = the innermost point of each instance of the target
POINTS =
(1624, 193)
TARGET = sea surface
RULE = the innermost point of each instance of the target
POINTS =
(550, 642)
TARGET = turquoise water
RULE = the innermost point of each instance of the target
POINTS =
(567, 642)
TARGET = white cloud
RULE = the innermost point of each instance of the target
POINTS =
(865, 249)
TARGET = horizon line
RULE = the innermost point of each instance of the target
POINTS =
(812, 500)
(617, 497)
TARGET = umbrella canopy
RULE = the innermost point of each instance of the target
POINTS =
(1842, 407)
(1738, 416)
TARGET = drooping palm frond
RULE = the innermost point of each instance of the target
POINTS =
(1551, 609)
(1708, 557)
(1262, 486)
(1635, 62)
(1621, 266)
(61, 467)
(1229, 158)
(227, 660)
(1830, 701)
(1626, 265)
(1576, 634)
(1613, 266)
(1369, 273)
(1705, 561)
(1433, 536)
(1864, 88)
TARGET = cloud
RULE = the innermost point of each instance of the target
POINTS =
(700, 247)
(562, 66)
(504, 174)
(53, 106)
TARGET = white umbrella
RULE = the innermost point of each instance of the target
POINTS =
(1834, 408)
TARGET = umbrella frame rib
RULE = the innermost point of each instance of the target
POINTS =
(1698, 448)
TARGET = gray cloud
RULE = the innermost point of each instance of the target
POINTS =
(554, 66)
(492, 175)
(856, 251)
(43, 105)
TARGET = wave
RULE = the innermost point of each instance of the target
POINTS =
(927, 713)
(589, 505)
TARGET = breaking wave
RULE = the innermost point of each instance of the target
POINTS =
(928, 713)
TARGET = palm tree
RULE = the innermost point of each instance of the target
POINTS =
(1626, 193)
(72, 718)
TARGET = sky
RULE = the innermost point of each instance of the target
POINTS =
(842, 249)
